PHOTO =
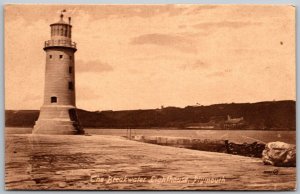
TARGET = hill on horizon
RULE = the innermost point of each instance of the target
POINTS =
(268, 115)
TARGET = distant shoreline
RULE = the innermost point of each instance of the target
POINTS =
(166, 128)
(267, 116)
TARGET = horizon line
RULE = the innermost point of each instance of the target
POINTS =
(162, 107)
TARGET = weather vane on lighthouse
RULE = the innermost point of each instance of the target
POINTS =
(58, 112)
(61, 12)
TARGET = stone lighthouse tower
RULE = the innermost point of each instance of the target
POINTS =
(58, 113)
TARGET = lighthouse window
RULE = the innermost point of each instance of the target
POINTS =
(53, 99)
(71, 86)
(70, 70)
(50, 56)
(60, 56)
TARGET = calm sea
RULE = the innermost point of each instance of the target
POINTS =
(240, 136)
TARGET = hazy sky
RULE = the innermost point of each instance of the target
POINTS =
(137, 56)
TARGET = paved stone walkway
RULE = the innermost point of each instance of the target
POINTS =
(103, 162)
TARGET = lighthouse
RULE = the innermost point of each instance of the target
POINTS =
(58, 113)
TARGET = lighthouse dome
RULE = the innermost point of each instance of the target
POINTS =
(61, 21)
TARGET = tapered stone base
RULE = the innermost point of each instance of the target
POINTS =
(58, 120)
(57, 127)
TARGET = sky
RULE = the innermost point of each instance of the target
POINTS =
(148, 56)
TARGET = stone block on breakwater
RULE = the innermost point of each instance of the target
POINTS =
(279, 154)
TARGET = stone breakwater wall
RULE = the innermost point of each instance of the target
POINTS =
(223, 146)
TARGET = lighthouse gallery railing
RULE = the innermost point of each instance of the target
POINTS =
(66, 43)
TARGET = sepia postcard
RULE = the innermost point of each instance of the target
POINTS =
(150, 97)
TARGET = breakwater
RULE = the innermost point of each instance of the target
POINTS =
(253, 149)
